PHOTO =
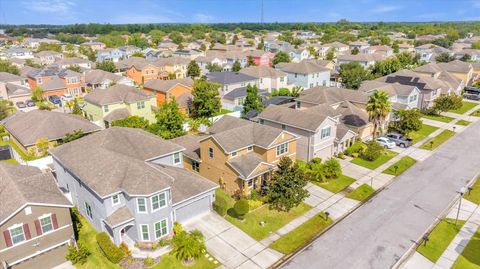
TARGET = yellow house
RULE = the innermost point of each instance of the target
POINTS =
(237, 154)
(103, 106)
(173, 65)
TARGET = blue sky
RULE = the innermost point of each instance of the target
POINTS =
(211, 11)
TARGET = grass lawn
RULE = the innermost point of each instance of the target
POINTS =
(10, 161)
(476, 113)
(403, 165)
(463, 122)
(298, 237)
(224, 111)
(15, 147)
(474, 195)
(422, 133)
(169, 261)
(465, 107)
(441, 118)
(440, 238)
(274, 220)
(470, 258)
(385, 157)
(336, 185)
(437, 140)
(361, 193)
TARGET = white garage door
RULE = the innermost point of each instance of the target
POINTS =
(193, 209)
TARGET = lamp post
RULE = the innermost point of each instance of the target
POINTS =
(454, 127)
(461, 192)
(431, 144)
(396, 168)
(326, 215)
(425, 240)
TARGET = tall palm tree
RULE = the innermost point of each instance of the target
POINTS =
(378, 108)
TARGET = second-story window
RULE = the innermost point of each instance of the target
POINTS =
(195, 166)
(46, 224)
(159, 201)
(115, 199)
(176, 158)
(88, 210)
(325, 132)
(17, 235)
(105, 108)
(140, 105)
(210, 152)
(284, 127)
(39, 80)
(141, 205)
(250, 148)
(282, 149)
(233, 154)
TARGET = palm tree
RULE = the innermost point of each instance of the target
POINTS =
(188, 246)
(378, 108)
(296, 91)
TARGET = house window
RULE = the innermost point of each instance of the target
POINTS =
(161, 228)
(325, 132)
(39, 80)
(141, 206)
(115, 199)
(144, 231)
(88, 209)
(282, 149)
(105, 108)
(158, 201)
(17, 235)
(195, 166)
(250, 183)
(413, 98)
(140, 105)
(262, 121)
(233, 154)
(295, 75)
(250, 148)
(176, 158)
(46, 224)
(299, 104)
(311, 85)
(281, 79)
(210, 152)
(284, 127)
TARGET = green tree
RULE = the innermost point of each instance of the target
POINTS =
(138, 54)
(466, 57)
(444, 57)
(250, 61)
(331, 54)
(236, 66)
(5, 109)
(88, 52)
(234, 39)
(281, 57)
(353, 74)
(6, 66)
(42, 145)
(37, 94)
(176, 37)
(395, 47)
(156, 36)
(46, 46)
(286, 188)
(407, 121)
(132, 122)
(203, 47)
(108, 66)
(75, 68)
(446, 102)
(193, 70)
(73, 136)
(476, 45)
(206, 100)
(214, 67)
(252, 100)
(312, 52)
(188, 246)
(378, 108)
(261, 45)
(169, 121)
(76, 110)
(387, 66)
(355, 51)
(137, 40)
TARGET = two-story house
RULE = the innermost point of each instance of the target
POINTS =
(131, 184)
(174, 67)
(268, 78)
(35, 224)
(297, 55)
(142, 71)
(16, 52)
(94, 45)
(14, 88)
(48, 57)
(56, 81)
(366, 60)
(166, 90)
(73, 61)
(237, 154)
(401, 96)
(99, 79)
(127, 51)
(306, 74)
(232, 87)
(461, 70)
(110, 54)
(102, 106)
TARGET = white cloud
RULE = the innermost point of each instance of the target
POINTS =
(385, 9)
(201, 17)
(53, 6)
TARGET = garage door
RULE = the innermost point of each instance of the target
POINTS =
(193, 209)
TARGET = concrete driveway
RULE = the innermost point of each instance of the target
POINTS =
(231, 246)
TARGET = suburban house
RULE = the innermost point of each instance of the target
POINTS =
(366, 60)
(383, 50)
(260, 57)
(268, 78)
(166, 90)
(27, 128)
(102, 106)
(16, 52)
(232, 82)
(474, 54)
(401, 96)
(142, 71)
(461, 70)
(110, 54)
(205, 61)
(74, 61)
(47, 57)
(237, 154)
(131, 184)
(56, 81)
(173, 66)
(35, 223)
(99, 79)
(306, 74)
(14, 88)
(190, 54)
(94, 45)
(297, 55)
(127, 51)
(360, 45)
(428, 52)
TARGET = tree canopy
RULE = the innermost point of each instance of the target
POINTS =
(252, 100)
(169, 121)
(206, 100)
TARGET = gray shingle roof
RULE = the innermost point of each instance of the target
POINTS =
(302, 67)
(263, 72)
(166, 85)
(229, 77)
(20, 184)
(27, 127)
(7, 77)
(120, 216)
(331, 95)
(119, 113)
(116, 94)
(352, 115)
(98, 76)
(246, 164)
(191, 143)
(236, 93)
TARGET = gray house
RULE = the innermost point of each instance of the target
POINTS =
(306, 74)
(131, 184)
(232, 81)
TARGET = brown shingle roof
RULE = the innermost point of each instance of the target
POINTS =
(120, 216)
(116, 94)
(246, 164)
(166, 85)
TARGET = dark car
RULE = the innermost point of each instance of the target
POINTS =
(55, 100)
(400, 140)
(20, 104)
(30, 103)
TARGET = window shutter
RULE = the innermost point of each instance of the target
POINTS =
(26, 230)
(8, 239)
(38, 227)
(54, 221)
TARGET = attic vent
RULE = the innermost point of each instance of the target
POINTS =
(28, 210)
(283, 135)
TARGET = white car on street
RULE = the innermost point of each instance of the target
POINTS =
(386, 143)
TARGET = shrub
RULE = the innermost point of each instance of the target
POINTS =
(252, 204)
(254, 194)
(109, 249)
(79, 255)
(355, 155)
(332, 168)
(2, 128)
(357, 147)
(241, 208)
(124, 248)
(373, 151)
(220, 205)
(177, 228)
(148, 262)
(341, 155)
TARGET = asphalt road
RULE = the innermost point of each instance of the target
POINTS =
(377, 234)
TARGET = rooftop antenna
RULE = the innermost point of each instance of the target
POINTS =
(261, 16)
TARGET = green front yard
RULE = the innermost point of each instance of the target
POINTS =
(476, 113)
(361, 193)
(474, 195)
(463, 123)
(385, 157)
(437, 140)
(273, 219)
(465, 107)
(440, 118)
(440, 238)
(425, 131)
(470, 257)
(169, 261)
(298, 237)
(402, 165)
(336, 185)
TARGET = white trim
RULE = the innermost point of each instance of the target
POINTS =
(160, 206)
(146, 207)
(285, 152)
(39, 252)
(141, 232)
(31, 204)
(51, 222)
(155, 231)
(16, 226)
(34, 238)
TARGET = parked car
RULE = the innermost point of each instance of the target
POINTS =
(66, 97)
(30, 103)
(386, 143)
(472, 96)
(400, 140)
(20, 104)
(55, 100)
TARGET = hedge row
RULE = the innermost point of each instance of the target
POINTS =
(109, 249)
